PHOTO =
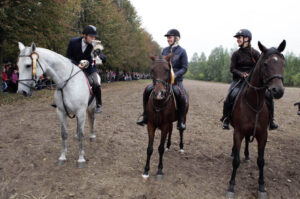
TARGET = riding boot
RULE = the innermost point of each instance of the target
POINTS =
(226, 114)
(97, 92)
(143, 120)
(270, 104)
(181, 104)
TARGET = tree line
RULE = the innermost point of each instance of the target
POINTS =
(216, 67)
(51, 24)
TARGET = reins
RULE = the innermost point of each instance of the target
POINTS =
(256, 89)
(35, 59)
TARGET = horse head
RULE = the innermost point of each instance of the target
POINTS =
(273, 64)
(97, 48)
(29, 69)
(161, 76)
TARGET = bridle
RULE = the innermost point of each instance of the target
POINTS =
(35, 59)
(168, 87)
(265, 81)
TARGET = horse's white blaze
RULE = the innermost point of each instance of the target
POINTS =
(275, 58)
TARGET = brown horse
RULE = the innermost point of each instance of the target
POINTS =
(250, 115)
(161, 110)
(298, 103)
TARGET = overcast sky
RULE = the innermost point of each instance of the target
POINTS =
(206, 24)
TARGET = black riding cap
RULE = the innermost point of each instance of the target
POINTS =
(90, 30)
(244, 33)
(173, 32)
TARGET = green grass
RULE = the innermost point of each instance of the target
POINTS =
(10, 98)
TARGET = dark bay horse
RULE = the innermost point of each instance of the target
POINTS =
(161, 110)
(251, 116)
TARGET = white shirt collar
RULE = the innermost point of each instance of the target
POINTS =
(83, 45)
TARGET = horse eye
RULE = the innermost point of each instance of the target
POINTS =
(265, 64)
(28, 66)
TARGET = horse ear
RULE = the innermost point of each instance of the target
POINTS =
(21, 46)
(33, 47)
(168, 57)
(262, 47)
(281, 47)
(152, 57)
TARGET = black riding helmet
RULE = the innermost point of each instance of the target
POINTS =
(90, 30)
(244, 33)
(173, 32)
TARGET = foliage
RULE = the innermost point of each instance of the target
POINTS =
(217, 67)
(51, 24)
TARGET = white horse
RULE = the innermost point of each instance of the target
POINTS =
(72, 95)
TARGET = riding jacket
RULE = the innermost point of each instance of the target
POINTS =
(242, 60)
(75, 54)
(179, 60)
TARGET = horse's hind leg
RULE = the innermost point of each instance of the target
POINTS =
(181, 142)
(246, 152)
(80, 132)
(235, 162)
(151, 131)
(64, 135)
(91, 117)
(169, 137)
(262, 140)
(161, 150)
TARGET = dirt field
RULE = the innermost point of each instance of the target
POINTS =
(30, 145)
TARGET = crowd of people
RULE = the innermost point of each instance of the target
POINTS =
(111, 76)
(10, 76)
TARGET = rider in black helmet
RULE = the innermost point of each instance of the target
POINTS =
(180, 64)
(242, 62)
(80, 48)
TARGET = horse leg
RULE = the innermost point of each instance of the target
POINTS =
(235, 162)
(151, 133)
(169, 137)
(161, 149)
(246, 152)
(91, 118)
(64, 135)
(181, 141)
(262, 140)
(80, 132)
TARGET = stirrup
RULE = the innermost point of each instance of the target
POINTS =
(181, 126)
(225, 124)
(141, 121)
(98, 109)
(273, 126)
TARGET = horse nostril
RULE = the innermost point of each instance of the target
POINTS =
(274, 90)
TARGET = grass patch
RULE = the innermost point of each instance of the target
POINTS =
(11, 98)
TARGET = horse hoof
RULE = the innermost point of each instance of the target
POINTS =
(230, 195)
(80, 165)
(167, 149)
(61, 162)
(181, 151)
(92, 139)
(247, 160)
(145, 176)
(262, 195)
(159, 176)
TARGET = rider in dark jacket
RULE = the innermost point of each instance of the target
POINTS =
(242, 62)
(80, 48)
(180, 64)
